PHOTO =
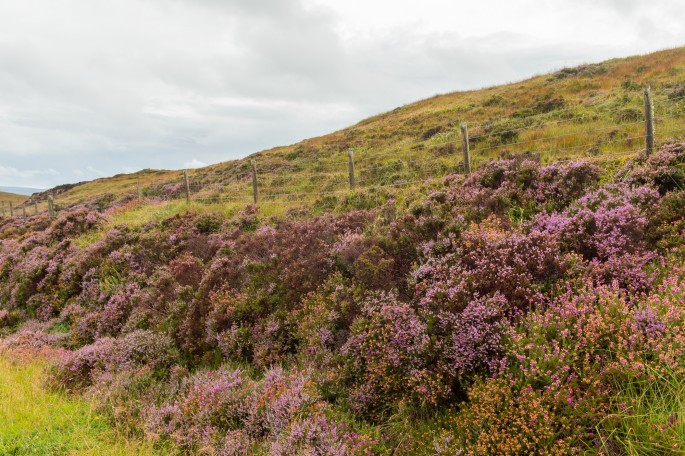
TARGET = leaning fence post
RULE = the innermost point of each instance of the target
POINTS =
(467, 152)
(255, 189)
(649, 120)
(185, 177)
(350, 168)
(51, 206)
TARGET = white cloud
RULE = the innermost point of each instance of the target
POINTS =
(93, 171)
(10, 171)
(194, 163)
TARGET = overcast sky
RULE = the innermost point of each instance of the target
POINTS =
(90, 88)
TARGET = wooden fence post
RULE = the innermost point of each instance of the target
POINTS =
(35, 207)
(185, 177)
(51, 206)
(649, 120)
(467, 152)
(140, 191)
(3, 208)
(23, 210)
(11, 210)
(255, 189)
(350, 168)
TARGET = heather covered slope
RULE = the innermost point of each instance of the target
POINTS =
(526, 309)
(585, 112)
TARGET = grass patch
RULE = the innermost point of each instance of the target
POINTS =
(35, 421)
(650, 418)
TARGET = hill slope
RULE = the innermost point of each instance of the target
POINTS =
(587, 111)
(13, 197)
(21, 190)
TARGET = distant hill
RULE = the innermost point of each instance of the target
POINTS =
(21, 190)
(12, 197)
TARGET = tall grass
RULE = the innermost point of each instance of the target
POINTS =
(650, 417)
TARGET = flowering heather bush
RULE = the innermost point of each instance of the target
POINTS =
(608, 227)
(115, 312)
(315, 435)
(521, 187)
(323, 320)
(273, 340)
(73, 223)
(389, 353)
(33, 337)
(208, 405)
(488, 259)
(77, 369)
(474, 338)
(226, 409)
(566, 363)
(660, 170)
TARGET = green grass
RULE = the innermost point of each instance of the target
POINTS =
(650, 419)
(13, 197)
(35, 421)
(137, 215)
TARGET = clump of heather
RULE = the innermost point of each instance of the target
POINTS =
(389, 358)
(228, 410)
(608, 228)
(324, 318)
(79, 368)
(488, 258)
(208, 404)
(521, 187)
(660, 170)
(73, 223)
(566, 365)
(116, 310)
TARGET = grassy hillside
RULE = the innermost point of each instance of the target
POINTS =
(16, 199)
(588, 111)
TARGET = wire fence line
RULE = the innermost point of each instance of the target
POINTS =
(347, 172)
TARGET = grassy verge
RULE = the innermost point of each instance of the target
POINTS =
(35, 421)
